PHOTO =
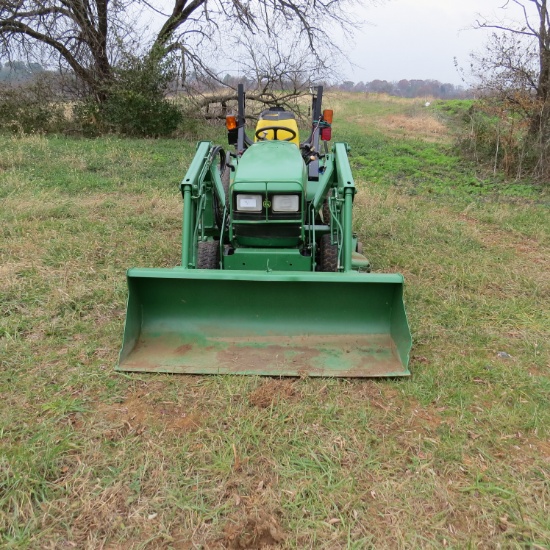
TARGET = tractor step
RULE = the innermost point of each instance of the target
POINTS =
(359, 262)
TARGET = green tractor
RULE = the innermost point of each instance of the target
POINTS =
(272, 279)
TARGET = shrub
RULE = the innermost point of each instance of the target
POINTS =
(131, 112)
(498, 132)
(134, 103)
(33, 107)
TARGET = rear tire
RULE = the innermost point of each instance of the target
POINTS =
(218, 206)
(328, 255)
(326, 213)
(225, 183)
(208, 255)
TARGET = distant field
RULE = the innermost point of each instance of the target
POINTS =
(457, 456)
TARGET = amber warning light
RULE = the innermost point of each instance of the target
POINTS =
(327, 115)
(231, 122)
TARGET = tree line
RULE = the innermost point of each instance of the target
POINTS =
(19, 71)
(409, 88)
(119, 66)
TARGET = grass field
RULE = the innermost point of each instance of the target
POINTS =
(458, 456)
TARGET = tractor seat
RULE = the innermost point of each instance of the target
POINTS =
(274, 118)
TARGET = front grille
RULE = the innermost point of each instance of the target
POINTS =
(249, 216)
(268, 231)
(285, 216)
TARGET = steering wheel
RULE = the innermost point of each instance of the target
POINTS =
(275, 129)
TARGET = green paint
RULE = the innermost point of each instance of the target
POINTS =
(277, 161)
(267, 260)
(242, 322)
(266, 311)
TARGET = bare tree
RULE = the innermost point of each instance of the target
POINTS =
(276, 72)
(88, 37)
(517, 59)
(513, 74)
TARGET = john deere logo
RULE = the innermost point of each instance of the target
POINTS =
(267, 204)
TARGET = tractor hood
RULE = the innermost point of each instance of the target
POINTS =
(273, 161)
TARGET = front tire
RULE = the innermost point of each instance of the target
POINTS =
(208, 255)
(328, 255)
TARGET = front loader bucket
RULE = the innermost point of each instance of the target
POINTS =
(278, 324)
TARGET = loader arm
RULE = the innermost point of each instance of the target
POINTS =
(202, 191)
(337, 187)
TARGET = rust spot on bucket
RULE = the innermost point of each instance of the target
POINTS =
(281, 355)
(238, 357)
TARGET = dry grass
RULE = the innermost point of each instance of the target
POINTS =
(456, 457)
(422, 126)
(394, 117)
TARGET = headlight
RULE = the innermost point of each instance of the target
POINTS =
(286, 203)
(249, 203)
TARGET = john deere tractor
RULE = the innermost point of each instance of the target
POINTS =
(272, 279)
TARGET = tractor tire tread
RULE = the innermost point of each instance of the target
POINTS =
(225, 175)
(325, 211)
(208, 255)
(328, 255)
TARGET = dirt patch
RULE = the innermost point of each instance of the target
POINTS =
(136, 414)
(426, 418)
(404, 413)
(8, 269)
(380, 396)
(102, 515)
(253, 533)
(541, 447)
(528, 448)
(272, 392)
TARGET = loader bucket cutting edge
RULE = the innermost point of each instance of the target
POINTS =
(277, 324)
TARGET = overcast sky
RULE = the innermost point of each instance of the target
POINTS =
(411, 39)
(416, 39)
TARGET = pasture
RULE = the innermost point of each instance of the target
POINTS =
(457, 456)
